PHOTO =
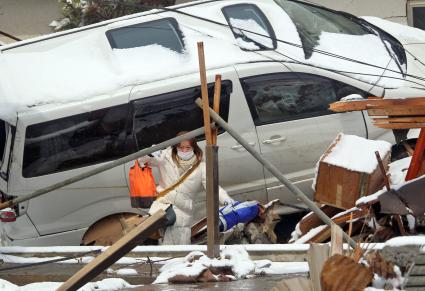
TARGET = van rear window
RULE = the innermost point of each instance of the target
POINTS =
(164, 32)
(76, 141)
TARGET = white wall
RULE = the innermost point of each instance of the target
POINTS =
(27, 18)
(394, 10)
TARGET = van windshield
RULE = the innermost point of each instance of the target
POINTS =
(311, 21)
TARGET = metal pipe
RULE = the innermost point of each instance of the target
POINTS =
(269, 166)
(115, 163)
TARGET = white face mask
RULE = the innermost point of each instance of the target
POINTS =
(185, 155)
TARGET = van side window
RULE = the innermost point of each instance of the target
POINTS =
(164, 32)
(283, 97)
(161, 117)
(76, 141)
(250, 27)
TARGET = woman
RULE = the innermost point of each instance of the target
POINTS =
(174, 163)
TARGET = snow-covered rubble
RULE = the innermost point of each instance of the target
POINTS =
(234, 263)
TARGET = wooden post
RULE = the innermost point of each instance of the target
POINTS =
(216, 104)
(336, 240)
(417, 158)
(317, 255)
(114, 252)
(211, 151)
(204, 91)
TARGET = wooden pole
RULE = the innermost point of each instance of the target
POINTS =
(417, 158)
(204, 91)
(114, 252)
(211, 151)
(216, 104)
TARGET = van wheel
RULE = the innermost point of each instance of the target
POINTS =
(110, 229)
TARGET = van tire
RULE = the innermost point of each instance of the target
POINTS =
(110, 229)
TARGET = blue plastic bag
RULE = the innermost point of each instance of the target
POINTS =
(238, 212)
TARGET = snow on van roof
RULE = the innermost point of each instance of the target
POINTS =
(405, 34)
(85, 66)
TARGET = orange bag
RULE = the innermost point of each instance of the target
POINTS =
(142, 186)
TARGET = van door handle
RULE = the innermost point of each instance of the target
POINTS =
(239, 146)
(274, 140)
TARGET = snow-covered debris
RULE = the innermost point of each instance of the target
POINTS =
(398, 171)
(310, 234)
(356, 153)
(406, 240)
(234, 263)
(108, 284)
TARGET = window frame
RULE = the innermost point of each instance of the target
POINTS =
(262, 15)
(410, 6)
(282, 76)
(169, 95)
(171, 20)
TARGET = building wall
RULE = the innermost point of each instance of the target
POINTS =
(27, 18)
(394, 10)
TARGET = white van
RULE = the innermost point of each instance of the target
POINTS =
(280, 106)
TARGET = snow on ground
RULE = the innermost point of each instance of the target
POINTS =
(108, 284)
(356, 153)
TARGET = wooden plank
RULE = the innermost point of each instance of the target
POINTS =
(325, 233)
(114, 252)
(400, 125)
(312, 220)
(317, 255)
(204, 91)
(417, 158)
(198, 226)
(336, 240)
(406, 119)
(357, 105)
(216, 104)
(399, 110)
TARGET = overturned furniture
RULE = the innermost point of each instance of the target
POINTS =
(348, 170)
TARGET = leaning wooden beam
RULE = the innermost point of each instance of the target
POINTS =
(399, 110)
(272, 169)
(417, 158)
(358, 105)
(114, 252)
(105, 167)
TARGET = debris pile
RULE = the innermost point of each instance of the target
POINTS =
(372, 199)
(234, 263)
